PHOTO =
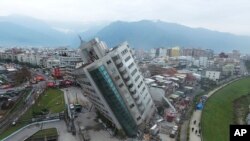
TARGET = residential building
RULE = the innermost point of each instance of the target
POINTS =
(175, 52)
(162, 52)
(213, 75)
(203, 62)
(152, 52)
(228, 69)
(30, 58)
(113, 83)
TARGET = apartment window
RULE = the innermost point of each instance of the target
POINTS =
(117, 78)
(139, 85)
(109, 61)
(121, 85)
(131, 65)
(143, 89)
(124, 51)
(131, 106)
(136, 79)
(116, 57)
(126, 60)
(86, 83)
(133, 72)
(138, 118)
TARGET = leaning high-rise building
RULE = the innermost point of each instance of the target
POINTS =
(114, 84)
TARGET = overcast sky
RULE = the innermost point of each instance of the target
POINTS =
(223, 15)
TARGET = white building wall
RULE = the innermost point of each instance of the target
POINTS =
(203, 61)
(137, 79)
(213, 75)
(152, 52)
(162, 52)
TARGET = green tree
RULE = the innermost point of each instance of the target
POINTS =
(23, 75)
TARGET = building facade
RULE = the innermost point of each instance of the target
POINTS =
(113, 83)
(213, 75)
(175, 52)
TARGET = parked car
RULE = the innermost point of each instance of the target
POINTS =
(175, 128)
(172, 134)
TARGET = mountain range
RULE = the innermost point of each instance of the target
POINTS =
(19, 30)
(148, 34)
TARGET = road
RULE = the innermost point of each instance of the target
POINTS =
(196, 117)
(37, 89)
(21, 87)
(30, 99)
(85, 118)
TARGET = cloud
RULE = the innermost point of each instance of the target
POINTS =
(223, 15)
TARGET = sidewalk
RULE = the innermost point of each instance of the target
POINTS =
(197, 116)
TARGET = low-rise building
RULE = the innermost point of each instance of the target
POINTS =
(213, 75)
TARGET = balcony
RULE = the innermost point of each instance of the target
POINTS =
(129, 82)
(127, 79)
(118, 61)
(125, 75)
(139, 102)
(141, 108)
(132, 89)
(136, 96)
(121, 69)
(134, 92)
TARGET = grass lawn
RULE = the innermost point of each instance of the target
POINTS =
(11, 130)
(241, 109)
(53, 99)
(218, 112)
(48, 132)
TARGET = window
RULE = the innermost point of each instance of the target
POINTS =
(117, 78)
(126, 60)
(131, 65)
(109, 61)
(124, 51)
(143, 89)
(116, 57)
(136, 79)
(132, 105)
(138, 118)
(133, 72)
(139, 85)
(121, 85)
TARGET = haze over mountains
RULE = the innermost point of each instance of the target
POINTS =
(20, 30)
(148, 34)
(16, 30)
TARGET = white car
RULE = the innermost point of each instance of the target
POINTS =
(71, 106)
(175, 128)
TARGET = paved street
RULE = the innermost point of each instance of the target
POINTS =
(183, 132)
(36, 90)
(85, 119)
(197, 116)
